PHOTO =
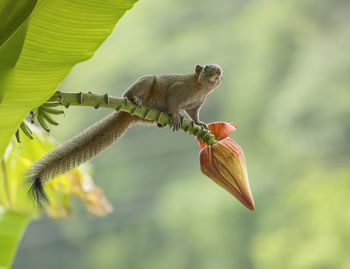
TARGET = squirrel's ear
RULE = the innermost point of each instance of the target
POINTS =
(198, 69)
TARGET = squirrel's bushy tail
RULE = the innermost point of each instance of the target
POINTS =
(75, 151)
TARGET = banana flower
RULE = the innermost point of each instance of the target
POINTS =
(225, 164)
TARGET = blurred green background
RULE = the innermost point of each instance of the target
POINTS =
(287, 88)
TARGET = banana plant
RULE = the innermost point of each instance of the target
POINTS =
(40, 42)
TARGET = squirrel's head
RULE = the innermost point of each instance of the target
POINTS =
(209, 74)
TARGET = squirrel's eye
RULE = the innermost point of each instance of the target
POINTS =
(205, 68)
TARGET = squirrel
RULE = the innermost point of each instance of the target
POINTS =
(168, 93)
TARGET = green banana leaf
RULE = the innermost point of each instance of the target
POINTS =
(13, 15)
(40, 42)
(12, 226)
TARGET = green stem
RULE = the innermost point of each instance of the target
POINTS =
(122, 104)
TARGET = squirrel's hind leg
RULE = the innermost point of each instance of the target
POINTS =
(140, 89)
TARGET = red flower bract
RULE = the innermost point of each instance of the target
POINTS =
(220, 129)
(225, 164)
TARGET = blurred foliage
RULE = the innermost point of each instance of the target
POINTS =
(16, 209)
(312, 230)
(286, 86)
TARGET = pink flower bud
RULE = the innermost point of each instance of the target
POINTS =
(225, 164)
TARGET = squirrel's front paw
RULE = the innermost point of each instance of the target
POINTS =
(200, 123)
(176, 122)
(137, 101)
